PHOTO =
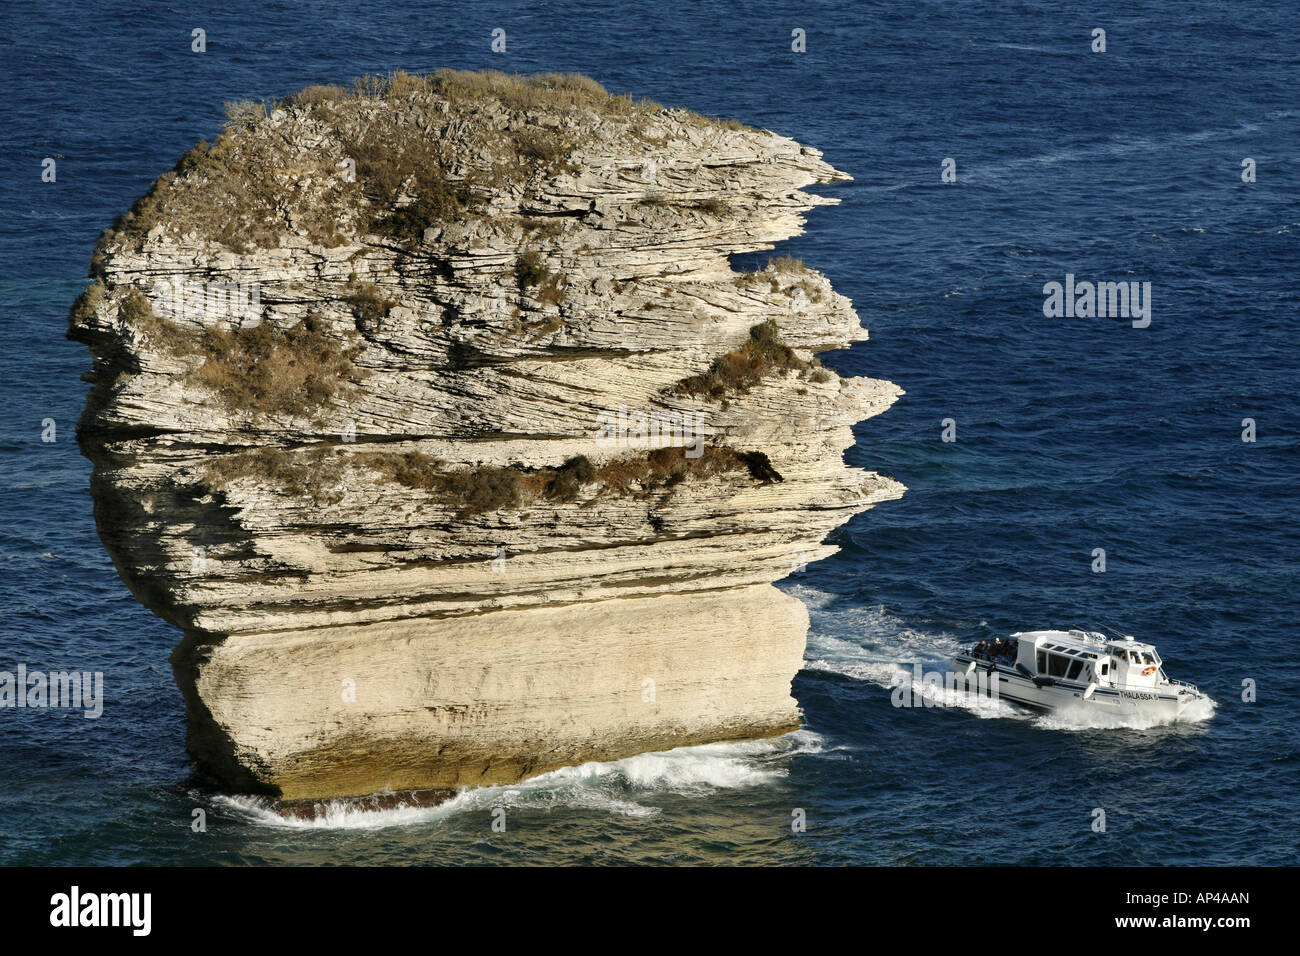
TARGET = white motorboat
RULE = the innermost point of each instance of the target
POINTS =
(1051, 670)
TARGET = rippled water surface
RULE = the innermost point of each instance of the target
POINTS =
(1073, 434)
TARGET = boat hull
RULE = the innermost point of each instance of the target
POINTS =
(1161, 703)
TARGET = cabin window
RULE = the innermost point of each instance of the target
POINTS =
(1042, 663)
(1105, 669)
(1075, 668)
(1056, 665)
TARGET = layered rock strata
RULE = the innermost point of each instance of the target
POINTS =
(435, 416)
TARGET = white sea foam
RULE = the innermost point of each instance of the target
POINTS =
(869, 644)
(1027, 47)
(616, 787)
(1091, 718)
(922, 695)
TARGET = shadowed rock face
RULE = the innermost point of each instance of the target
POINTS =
(435, 416)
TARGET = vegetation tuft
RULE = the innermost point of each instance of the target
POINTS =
(316, 474)
(368, 306)
(90, 299)
(260, 370)
(488, 488)
(783, 272)
(268, 371)
(739, 370)
(531, 274)
(406, 136)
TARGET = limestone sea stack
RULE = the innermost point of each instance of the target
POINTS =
(434, 414)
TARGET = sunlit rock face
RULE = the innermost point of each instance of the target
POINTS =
(435, 416)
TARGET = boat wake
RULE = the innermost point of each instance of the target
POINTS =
(871, 645)
(624, 787)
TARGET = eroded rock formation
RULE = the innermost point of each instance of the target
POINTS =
(435, 416)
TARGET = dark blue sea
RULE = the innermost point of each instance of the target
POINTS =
(1073, 434)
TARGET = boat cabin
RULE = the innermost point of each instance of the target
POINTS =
(1087, 657)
